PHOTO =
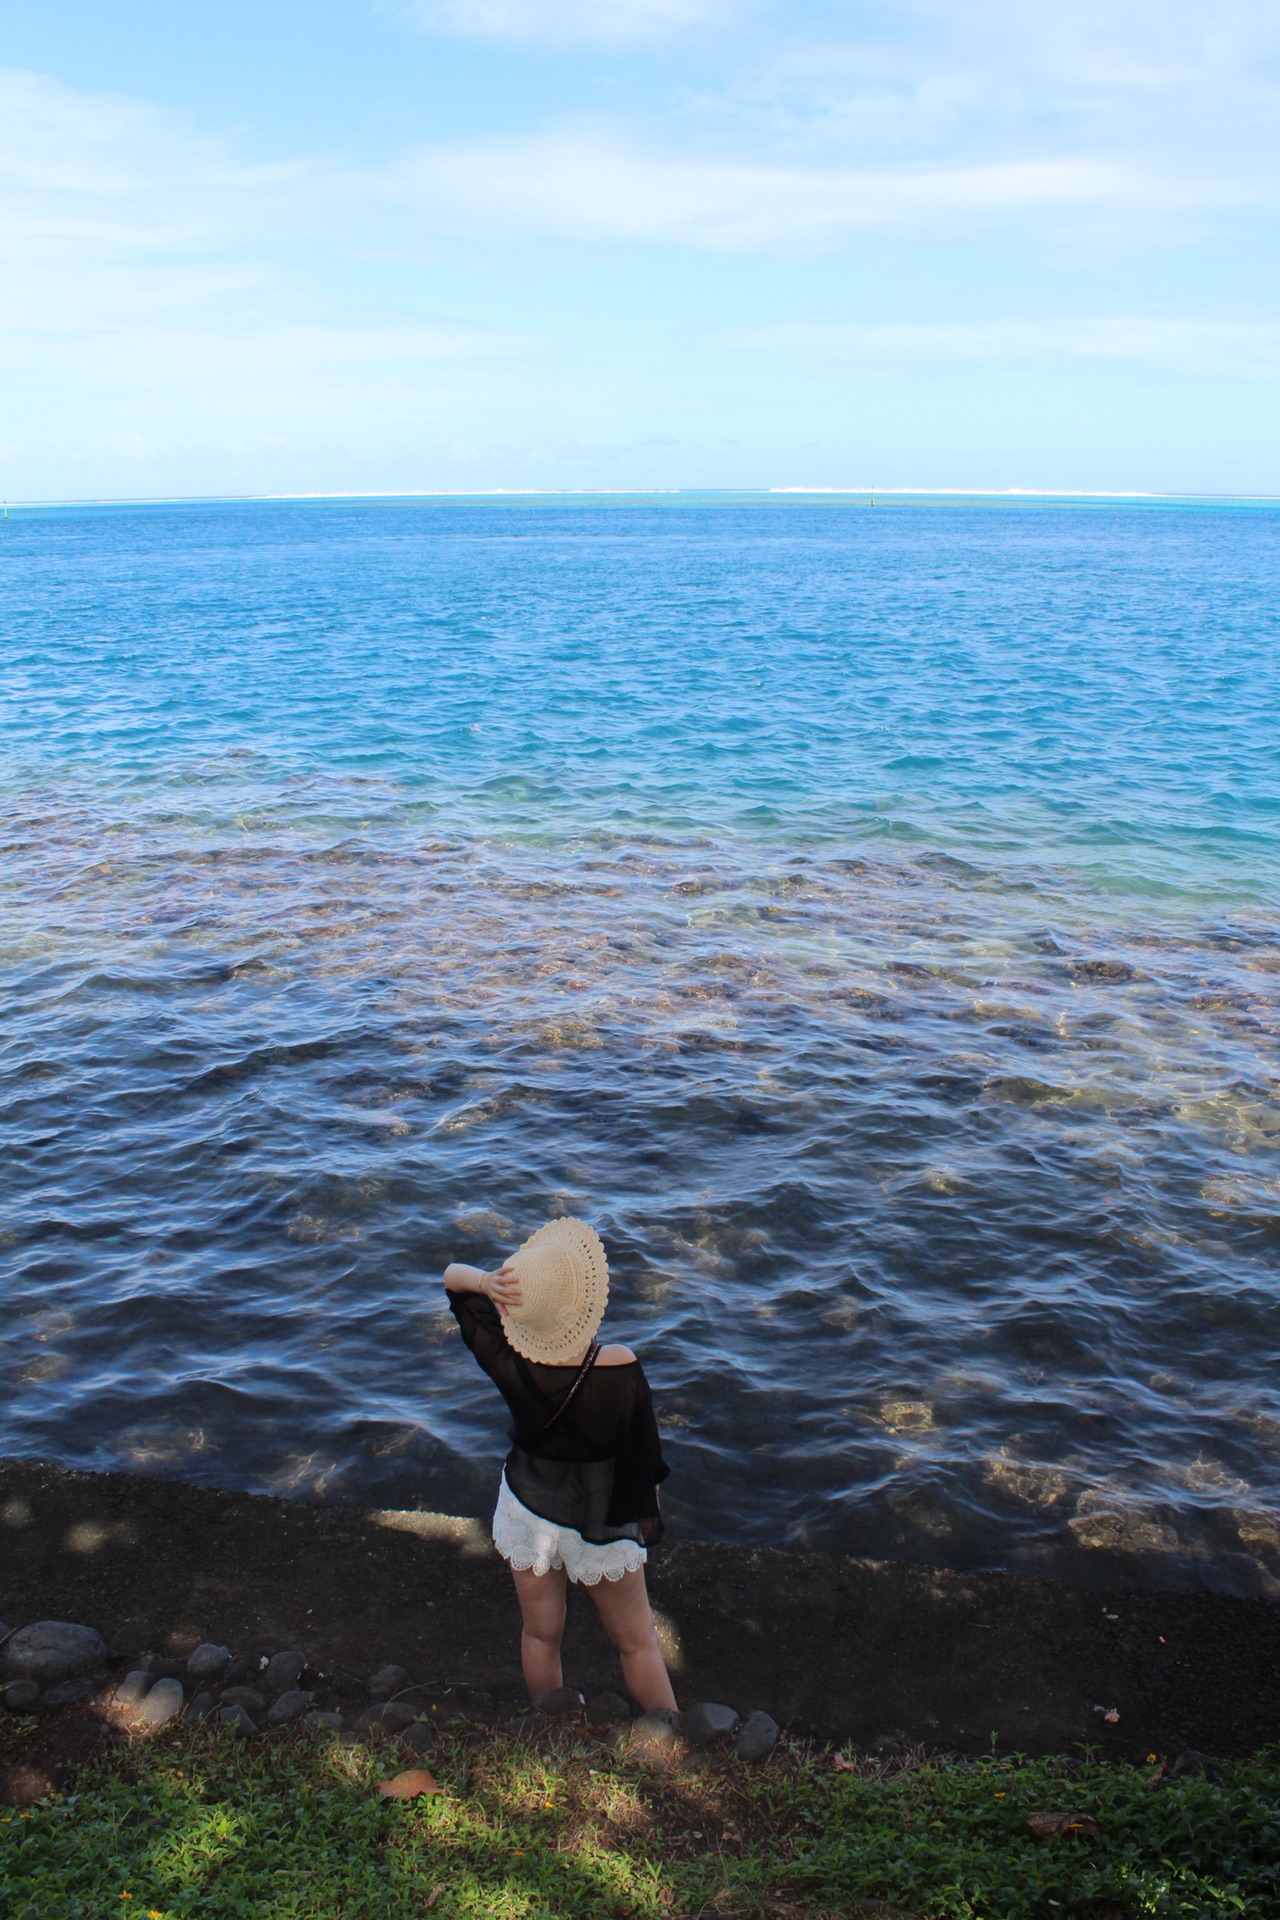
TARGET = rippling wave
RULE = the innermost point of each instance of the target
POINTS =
(929, 1111)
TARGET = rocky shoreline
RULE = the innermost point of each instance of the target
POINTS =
(354, 1620)
(51, 1667)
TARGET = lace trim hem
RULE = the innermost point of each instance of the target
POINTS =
(531, 1544)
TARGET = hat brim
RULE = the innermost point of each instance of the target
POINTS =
(577, 1250)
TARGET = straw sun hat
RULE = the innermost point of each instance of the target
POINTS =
(564, 1284)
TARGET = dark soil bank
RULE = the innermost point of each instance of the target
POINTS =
(844, 1649)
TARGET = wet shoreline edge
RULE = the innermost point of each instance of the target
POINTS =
(833, 1647)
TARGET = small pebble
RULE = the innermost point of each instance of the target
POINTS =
(759, 1737)
(470, 1699)
(67, 1693)
(314, 1723)
(607, 1710)
(283, 1671)
(247, 1697)
(208, 1661)
(236, 1720)
(655, 1732)
(347, 1686)
(390, 1716)
(288, 1707)
(707, 1721)
(134, 1688)
(161, 1668)
(558, 1702)
(420, 1738)
(162, 1704)
(386, 1681)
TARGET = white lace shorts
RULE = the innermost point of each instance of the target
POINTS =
(530, 1543)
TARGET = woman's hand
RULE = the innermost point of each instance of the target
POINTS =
(503, 1288)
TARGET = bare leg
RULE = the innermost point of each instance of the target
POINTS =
(541, 1597)
(623, 1606)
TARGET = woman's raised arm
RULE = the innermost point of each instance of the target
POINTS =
(502, 1287)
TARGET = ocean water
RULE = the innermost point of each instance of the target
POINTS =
(868, 918)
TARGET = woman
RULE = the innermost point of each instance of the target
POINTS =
(578, 1499)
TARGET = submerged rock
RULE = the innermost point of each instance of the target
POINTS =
(53, 1650)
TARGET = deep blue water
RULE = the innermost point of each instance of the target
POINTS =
(869, 918)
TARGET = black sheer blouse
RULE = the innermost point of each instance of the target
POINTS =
(598, 1468)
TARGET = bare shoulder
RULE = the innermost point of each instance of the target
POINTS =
(615, 1357)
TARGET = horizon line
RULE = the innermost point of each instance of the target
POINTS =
(642, 493)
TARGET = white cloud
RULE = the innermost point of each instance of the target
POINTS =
(564, 22)
(931, 78)
(87, 180)
(132, 204)
(160, 287)
(1205, 346)
(148, 272)
(581, 186)
(1117, 45)
(151, 355)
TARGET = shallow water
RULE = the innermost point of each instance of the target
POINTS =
(870, 920)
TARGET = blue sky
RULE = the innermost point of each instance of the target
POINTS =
(344, 245)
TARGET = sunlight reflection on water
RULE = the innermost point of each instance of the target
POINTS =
(870, 924)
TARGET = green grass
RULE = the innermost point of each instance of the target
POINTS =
(194, 1823)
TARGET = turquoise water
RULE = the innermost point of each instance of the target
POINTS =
(869, 918)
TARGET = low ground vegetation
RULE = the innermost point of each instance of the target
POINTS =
(562, 1826)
